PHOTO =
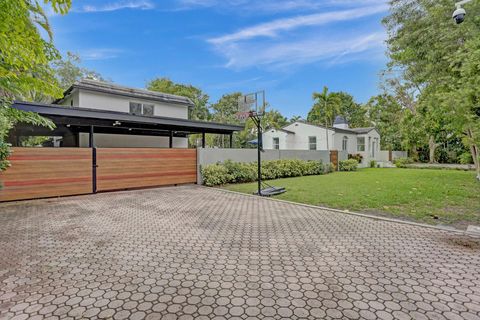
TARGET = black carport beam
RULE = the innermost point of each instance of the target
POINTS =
(231, 140)
(170, 140)
(203, 139)
(91, 144)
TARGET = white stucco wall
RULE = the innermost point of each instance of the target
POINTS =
(268, 139)
(351, 145)
(103, 101)
(129, 141)
(299, 141)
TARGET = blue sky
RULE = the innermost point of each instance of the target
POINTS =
(290, 48)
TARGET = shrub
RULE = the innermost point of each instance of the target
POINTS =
(241, 172)
(215, 175)
(328, 168)
(402, 162)
(348, 165)
(231, 172)
(373, 164)
(466, 158)
(356, 156)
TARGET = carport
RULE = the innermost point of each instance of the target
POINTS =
(70, 169)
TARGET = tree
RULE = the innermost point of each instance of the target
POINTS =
(326, 106)
(353, 112)
(385, 113)
(25, 62)
(440, 61)
(68, 70)
(200, 99)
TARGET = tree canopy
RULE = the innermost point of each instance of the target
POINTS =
(199, 98)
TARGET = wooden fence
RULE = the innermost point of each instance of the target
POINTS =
(52, 172)
(123, 168)
(47, 172)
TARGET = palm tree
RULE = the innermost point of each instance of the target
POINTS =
(326, 103)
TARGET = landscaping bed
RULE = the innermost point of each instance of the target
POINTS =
(442, 197)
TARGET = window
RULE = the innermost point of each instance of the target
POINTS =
(361, 144)
(141, 109)
(345, 143)
(276, 143)
(312, 143)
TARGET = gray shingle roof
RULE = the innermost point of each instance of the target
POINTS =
(111, 88)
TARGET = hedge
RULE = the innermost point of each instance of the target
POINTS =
(348, 165)
(402, 162)
(241, 172)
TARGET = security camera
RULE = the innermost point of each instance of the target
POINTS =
(459, 15)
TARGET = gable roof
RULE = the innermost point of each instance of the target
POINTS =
(362, 130)
(115, 89)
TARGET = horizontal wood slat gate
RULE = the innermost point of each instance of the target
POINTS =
(47, 172)
(123, 168)
(51, 172)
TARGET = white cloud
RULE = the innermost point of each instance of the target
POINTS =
(272, 6)
(119, 5)
(285, 54)
(99, 53)
(271, 29)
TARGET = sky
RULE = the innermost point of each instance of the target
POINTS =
(289, 48)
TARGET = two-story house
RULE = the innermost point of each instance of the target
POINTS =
(91, 94)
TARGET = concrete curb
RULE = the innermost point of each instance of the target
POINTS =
(364, 215)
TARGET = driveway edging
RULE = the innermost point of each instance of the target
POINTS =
(353, 213)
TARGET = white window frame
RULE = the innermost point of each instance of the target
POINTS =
(345, 143)
(142, 108)
(312, 145)
(359, 144)
(276, 143)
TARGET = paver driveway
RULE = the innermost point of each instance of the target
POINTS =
(192, 252)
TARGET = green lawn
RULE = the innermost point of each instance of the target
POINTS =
(453, 197)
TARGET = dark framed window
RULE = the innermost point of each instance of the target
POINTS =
(345, 143)
(312, 143)
(361, 144)
(141, 109)
(276, 143)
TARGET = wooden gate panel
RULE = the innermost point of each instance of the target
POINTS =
(334, 158)
(47, 172)
(126, 168)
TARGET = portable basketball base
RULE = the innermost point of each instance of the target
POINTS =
(264, 189)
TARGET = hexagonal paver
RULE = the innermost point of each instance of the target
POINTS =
(191, 252)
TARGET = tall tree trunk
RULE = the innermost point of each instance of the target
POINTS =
(475, 153)
(432, 146)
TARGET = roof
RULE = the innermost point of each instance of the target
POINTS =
(104, 118)
(349, 130)
(281, 129)
(362, 130)
(111, 88)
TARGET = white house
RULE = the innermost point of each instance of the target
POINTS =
(92, 94)
(305, 136)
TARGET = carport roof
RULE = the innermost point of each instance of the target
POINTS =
(61, 115)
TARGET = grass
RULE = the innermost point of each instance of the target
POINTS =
(429, 196)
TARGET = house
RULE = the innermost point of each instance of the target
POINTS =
(301, 135)
(100, 114)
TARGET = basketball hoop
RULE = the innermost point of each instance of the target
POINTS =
(243, 115)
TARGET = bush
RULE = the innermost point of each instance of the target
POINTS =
(241, 172)
(238, 172)
(215, 175)
(402, 162)
(356, 156)
(328, 168)
(373, 164)
(466, 158)
(348, 165)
